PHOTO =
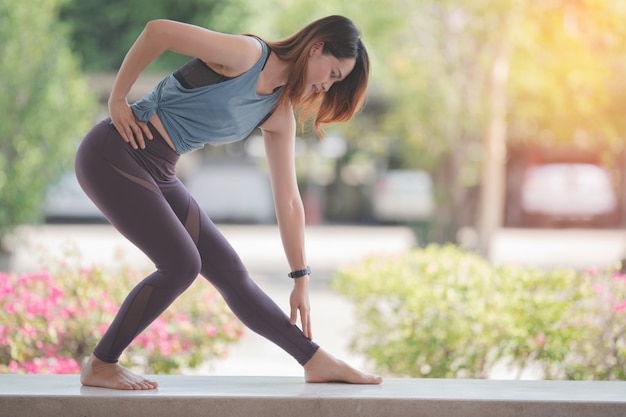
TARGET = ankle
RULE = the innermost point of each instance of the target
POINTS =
(94, 362)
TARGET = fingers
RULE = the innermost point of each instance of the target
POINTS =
(127, 134)
(306, 324)
(138, 136)
(134, 133)
(305, 320)
(299, 302)
(294, 316)
(146, 130)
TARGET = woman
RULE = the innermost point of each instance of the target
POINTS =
(126, 164)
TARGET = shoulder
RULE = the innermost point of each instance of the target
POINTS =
(235, 55)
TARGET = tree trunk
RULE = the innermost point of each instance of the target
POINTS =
(493, 184)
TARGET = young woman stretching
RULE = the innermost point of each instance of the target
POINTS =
(126, 165)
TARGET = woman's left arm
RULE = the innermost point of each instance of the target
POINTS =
(279, 135)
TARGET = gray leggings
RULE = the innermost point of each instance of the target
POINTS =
(138, 192)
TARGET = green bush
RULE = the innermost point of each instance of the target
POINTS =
(447, 313)
(46, 107)
(51, 321)
(601, 353)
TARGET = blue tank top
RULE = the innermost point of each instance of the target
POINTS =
(219, 113)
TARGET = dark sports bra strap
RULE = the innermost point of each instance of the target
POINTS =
(196, 73)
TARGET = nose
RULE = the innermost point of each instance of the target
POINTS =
(326, 85)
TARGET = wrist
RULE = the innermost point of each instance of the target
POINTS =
(117, 98)
(300, 273)
(302, 282)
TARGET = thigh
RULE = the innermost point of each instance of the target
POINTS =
(131, 199)
(218, 256)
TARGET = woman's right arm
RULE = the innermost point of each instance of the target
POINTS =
(231, 54)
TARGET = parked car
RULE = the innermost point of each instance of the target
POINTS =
(65, 201)
(403, 196)
(575, 193)
(233, 193)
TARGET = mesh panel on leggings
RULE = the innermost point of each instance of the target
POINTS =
(133, 318)
(145, 184)
(192, 222)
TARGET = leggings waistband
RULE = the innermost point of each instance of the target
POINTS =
(157, 144)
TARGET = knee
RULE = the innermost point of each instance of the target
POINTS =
(189, 266)
(184, 269)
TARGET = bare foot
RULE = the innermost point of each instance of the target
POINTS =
(97, 373)
(323, 367)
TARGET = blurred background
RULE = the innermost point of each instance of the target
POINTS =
(480, 116)
(496, 125)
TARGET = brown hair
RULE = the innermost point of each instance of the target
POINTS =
(342, 40)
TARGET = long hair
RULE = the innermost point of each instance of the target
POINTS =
(342, 40)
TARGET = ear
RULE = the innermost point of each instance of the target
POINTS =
(316, 49)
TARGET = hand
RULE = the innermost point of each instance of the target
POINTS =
(131, 129)
(299, 301)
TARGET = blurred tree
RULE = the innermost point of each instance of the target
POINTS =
(566, 89)
(427, 106)
(45, 103)
(102, 32)
(453, 82)
(432, 61)
(566, 83)
(461, 80)
(481, 75)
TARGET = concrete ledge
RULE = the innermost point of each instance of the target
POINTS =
(190, 396)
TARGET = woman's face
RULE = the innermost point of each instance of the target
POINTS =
(323, 70)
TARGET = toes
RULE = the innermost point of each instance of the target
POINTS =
(139, 383)
(147, 385)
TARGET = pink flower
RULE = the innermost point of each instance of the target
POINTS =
(30, 367)
(14, 367)
(35, 309)
(211, 331)
(56, 293)
(165, 347)
(181, 318)
(28, 330)
(229, 330)
(85, 270)
(42, 320)
(51, 351)
(62, 365)
(618, 276)
(619, 307)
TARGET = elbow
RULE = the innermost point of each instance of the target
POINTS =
(150, 30)
(155, 27)
(151, 26)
